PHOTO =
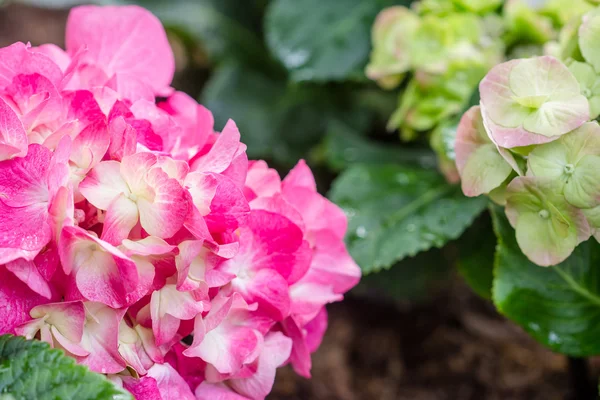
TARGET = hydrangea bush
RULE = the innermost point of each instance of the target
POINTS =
(533, 144)
(140, 241)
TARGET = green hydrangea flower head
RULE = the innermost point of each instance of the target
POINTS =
(573, 163)
(393, 30)
(531, 101)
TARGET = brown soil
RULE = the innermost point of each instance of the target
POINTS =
(455, 348)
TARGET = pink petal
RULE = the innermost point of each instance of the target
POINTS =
(103, 184)
(127, 40)
(144, 388)
(261, 181)
(29, 274)
(90, 145)
(165, 215)
(102, 272)
(170, 384)
(276, 350)
(228, 208)
(13, 138)
(197, 123)
(212, 391)
(222, 153)
(16, 300)
(301, 176)
(121, 217)
(100, 339)
(315, 330)
(300, 355)
(18, 59)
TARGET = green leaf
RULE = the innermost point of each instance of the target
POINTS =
(396, 211)
(412, 279)
(345, 146)
(29, 369)
(277, 121)
(331, 44)
(559, 306)
(221, 26)
(244, 95)
(476, 256)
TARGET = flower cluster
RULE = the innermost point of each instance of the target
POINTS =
(447, 53)
(533, 145)
(142, 242)
(445, 47)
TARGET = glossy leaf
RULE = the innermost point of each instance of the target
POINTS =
(331, 44)
(397, 211)
(476, 256)
(560, 305)
(345, 146)
(277, 121)
(29, 369)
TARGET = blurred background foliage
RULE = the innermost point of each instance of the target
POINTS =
(291, 73)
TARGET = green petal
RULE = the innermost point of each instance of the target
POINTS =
(392, 31)
(548, 227)
(484, 171)
(589, 37)
(548, 160)
(583, 188)
(589, 82)
(555, 118)
(479, 6)
(594, 107)
(593, 216)
(545, 241)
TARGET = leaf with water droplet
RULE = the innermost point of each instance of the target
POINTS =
(400, 220)
(329, 45)
(559, 306)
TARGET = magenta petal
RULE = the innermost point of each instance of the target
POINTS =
(144, 388)
(13, 138)
(29, 274)
(16, 300)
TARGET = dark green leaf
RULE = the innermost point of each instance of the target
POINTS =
(413, 279)
(251, 100)
(277, 121)
(322, 40)
(396, 211)
(476, 256)
(29, 369)
(223, 27)
(559, 306)
(344, 146)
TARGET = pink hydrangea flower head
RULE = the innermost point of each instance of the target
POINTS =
(130, 227)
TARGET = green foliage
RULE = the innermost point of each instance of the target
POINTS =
(277, 121)
(29, 369)
(329, 44)
(396, 211)
(476, 256)
(222, 27)
(560, 305)
(345, 146)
